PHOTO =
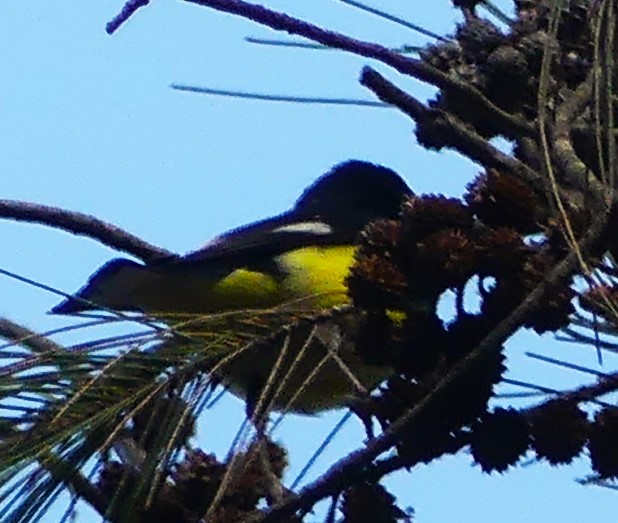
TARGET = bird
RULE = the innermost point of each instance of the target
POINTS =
(303, 256)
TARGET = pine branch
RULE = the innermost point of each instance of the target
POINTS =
(83, 225)
(408, 66)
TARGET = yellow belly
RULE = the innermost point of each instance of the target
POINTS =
(314, 277)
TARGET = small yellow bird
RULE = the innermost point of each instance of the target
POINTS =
(302, 255)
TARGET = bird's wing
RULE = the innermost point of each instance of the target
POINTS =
(254, 247)
(260, 241)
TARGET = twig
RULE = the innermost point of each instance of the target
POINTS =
(83, 225)
(127, 12)
(409, 66)
(454, 133)
(390, 94)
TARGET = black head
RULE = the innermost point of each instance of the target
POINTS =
(354, 192)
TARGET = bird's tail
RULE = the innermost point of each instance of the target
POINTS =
(114, 286)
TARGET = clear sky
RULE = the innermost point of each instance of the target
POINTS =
(88, 122)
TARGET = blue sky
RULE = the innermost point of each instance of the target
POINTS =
(88, 122)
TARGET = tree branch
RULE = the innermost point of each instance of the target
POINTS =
(409, 66)
(128, 10)
(83, 225)
(454, 132)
